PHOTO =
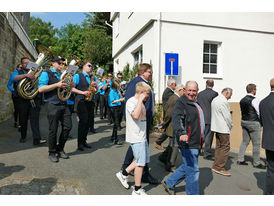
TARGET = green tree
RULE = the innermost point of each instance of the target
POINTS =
(71, 40)
(43, 31)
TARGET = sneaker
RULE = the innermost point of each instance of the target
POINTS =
(242, 163)
(221, 172)
(141, 191)
(159, 147)
(123, 179)
(167, 188)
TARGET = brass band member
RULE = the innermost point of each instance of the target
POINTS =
(57, 110)
(28, 108)
(84, 108)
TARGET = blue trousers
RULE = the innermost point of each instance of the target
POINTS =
(189, 170)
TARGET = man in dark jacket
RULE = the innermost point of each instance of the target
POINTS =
(188, 129)
(169, 91)
(144, 74)
(205, 98)
(266, 109)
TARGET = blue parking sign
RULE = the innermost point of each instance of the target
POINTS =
(172, 64)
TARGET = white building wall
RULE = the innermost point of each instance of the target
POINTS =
(245, 55)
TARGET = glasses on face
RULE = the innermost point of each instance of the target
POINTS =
(60, 63)
(109, 75)
(90, 66)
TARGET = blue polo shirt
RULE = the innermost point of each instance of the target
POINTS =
(13, 81)
(76, 78)
(44, 79)
(113, 95)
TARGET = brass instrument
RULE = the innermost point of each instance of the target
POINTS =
(28, 88)
(91, 89)
(66, 77)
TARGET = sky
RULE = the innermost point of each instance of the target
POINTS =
(59, 19)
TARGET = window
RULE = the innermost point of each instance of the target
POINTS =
(138, 56)
(210, 65)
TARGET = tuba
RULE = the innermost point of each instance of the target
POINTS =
(28, 88)
(66, 77)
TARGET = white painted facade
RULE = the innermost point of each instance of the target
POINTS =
(245, 47)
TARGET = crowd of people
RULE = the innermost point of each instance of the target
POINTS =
(190, 120)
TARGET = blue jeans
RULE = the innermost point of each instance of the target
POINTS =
(189, 170)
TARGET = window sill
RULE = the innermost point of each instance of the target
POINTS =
(212, 76)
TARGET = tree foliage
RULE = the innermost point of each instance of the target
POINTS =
(43, 31)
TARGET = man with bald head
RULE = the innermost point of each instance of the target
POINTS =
(188, 130)
(266, 109)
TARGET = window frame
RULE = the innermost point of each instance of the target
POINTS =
(219, 69)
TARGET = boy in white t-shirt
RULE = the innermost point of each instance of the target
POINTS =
(136, 136)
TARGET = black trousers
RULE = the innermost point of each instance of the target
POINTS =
(208, 140)
(162, 138)
(97, 102)
(121, 112)
(84, 113)
(115, 112)
(103, 106)
(108, 109)
(269, 180)
(27, 111)
(91, 125)
(56, 113)
(15, 100)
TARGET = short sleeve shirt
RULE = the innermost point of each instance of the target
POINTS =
(135, 129)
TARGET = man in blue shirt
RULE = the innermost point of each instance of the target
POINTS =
(15, 99)
(84, 107)
(27, 108)
(57, 110)
(107, 85)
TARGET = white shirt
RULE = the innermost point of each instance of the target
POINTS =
(135, 129)
(255, 103)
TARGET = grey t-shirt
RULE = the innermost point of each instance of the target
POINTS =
(135, 129)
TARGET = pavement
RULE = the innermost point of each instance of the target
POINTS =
(25, 169)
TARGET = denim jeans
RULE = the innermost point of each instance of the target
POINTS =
(189, 170)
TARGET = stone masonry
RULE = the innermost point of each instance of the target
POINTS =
(11, 51)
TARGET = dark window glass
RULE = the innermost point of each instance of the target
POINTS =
(213, 69)
(213, 48)
(206, 58)
(213, 58)
(205, 68)
(206, 48)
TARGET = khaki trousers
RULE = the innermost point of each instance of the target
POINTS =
(221, 151)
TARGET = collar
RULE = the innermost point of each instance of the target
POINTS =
(54, 71)
(272, 91)
(223, 97)
(249, 94)
(144, 79)
(85, 74)
(176, 94)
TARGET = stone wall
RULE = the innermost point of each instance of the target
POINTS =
(12, 49)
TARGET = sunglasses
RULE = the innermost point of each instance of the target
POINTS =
(109, 75)
(90, 66)
(60, 63)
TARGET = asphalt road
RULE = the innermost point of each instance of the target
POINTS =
(26, 169)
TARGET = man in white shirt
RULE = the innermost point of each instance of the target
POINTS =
(251, 127)
(221, 124)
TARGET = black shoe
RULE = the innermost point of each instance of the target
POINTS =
(22, 140)
(118, 142)
(167, 188)
(53, 158)
(86, 145)
(80, 148)
(92, 130)
(208, 157)
(260, 166)
(101, 118)
(63, 155)
(41, 141)
(149, 179)
(242, 163)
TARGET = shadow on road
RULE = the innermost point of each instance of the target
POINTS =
(36, 186)
(260, 176)
(8, 170)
